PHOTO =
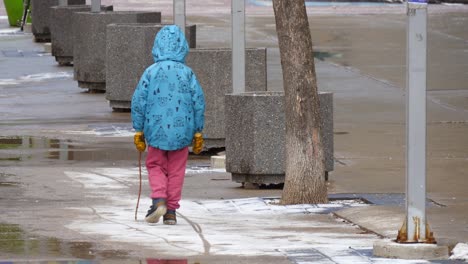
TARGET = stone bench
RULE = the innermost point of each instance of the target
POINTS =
(40, 17)
(61, 26)
(89, 50)
(255, 136)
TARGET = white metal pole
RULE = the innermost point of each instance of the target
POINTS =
(179, 14)
(95, 6)
(63, 2)
(238, 45)
(416, 63)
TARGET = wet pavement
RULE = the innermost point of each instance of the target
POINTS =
(69, 175)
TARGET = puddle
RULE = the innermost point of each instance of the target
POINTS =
(5, 182)
(81, 261)
(15, 242)
(26, 148)
(8, 184)
(16, 245)
(323, 55)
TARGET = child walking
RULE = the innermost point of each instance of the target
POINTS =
(168, 108)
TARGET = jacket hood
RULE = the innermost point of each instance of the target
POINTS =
(170, 44)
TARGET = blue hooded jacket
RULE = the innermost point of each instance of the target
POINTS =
(168, 104)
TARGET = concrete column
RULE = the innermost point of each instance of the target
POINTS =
(179, 13)
(238, 45)
(63, 2)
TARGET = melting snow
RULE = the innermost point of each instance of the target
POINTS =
(35, 78)
(241, 227)
(460, 252)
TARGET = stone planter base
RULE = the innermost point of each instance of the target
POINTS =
(258, 178)
(94, 86)
(40, 16)
(255, 136)
(61, 26)
(89, 50)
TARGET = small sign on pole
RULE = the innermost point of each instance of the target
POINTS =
(63, 2)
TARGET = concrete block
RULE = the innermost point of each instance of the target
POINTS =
(212, 67)
(128, 49)
(218, 162)
(255, 136)
(61, 29)
(89, 50)
(27, 28)
(47, 47)
(391, 249)
(40, 17)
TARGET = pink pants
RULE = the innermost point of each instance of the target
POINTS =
(166, 172)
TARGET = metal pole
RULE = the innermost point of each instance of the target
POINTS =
(238, 45)
(63, 2)
(179, 14)
(95, 6)
(416, 229)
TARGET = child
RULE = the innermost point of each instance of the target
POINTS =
(167, 110)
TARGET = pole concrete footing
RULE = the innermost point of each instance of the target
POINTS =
(392, 249)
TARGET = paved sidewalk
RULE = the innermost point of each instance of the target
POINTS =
(69, 191)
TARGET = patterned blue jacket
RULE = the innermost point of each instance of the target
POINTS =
(168, 104)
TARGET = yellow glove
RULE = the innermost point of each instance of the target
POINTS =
(139, 140)
(197, 143)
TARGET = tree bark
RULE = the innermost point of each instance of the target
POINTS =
(305, 174)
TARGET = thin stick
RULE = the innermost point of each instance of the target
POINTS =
(139, 191)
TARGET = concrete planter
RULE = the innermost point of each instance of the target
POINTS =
(40, 16)
(255, 132)
(61, 31)
(89, 50)
(212, 67)
(128, 51)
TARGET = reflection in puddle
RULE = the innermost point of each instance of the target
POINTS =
(146, 261)
(14, 242)
(26, 148)
(4, 180)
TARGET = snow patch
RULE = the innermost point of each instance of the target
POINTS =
(36, 78)
(238, 227)
(111, 131)
(10, 31)
(203, 170)
(460, 252)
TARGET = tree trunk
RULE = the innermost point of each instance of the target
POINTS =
(305, 174)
